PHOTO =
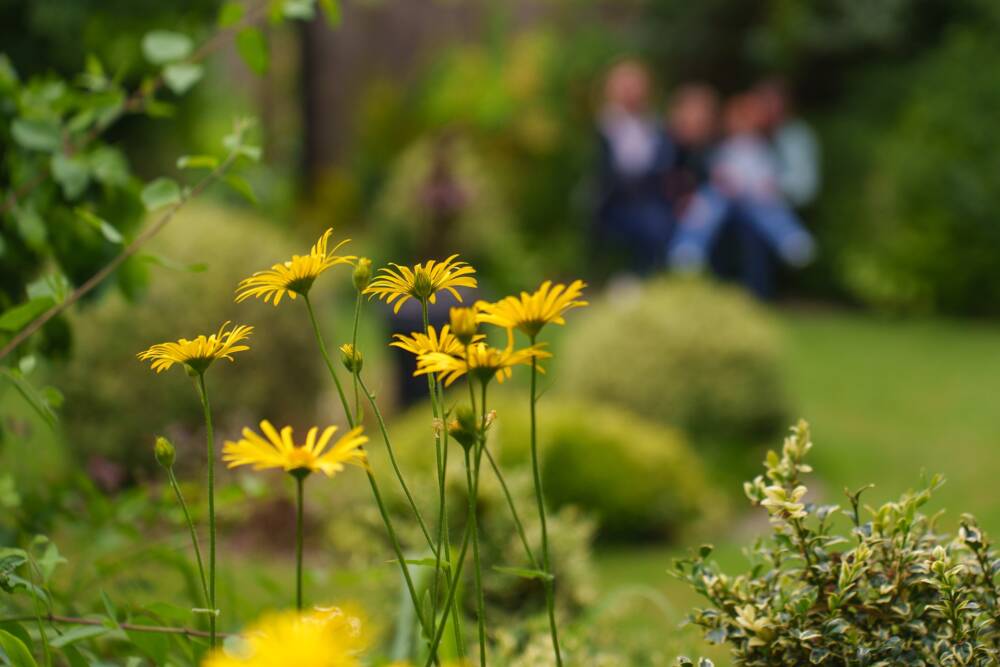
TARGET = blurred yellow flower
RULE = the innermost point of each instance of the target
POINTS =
(531, 312)
(278, 450)
(422, 282)
(482, 360)
(198, 354)
(329, 637)
(295, 276)
(423, 343)
(464, 324)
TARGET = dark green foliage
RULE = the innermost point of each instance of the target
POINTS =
(707, 360)
(884, 587)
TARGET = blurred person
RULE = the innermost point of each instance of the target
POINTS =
(794, 142)
(745, 198)
(634, 216)
(693, 128)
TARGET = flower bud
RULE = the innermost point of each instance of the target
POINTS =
(362, 273)
(351, 358)
(464, 428)
(423, 286)
(463, 324)
(164, 452)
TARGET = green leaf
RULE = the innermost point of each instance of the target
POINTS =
(167, 263)
(54, 285)
(50, 560)
(163, 46)
(302, 10)
(30, 227)
(74, 658)
(331, 9)
(159, 193)
(197, 162)
(109, 166)
(14, 319)
(524, 573)
(154, 644)
(110, 234)
(32, 396)
(179, 77)
(241, 186)
(72, 173)
(252, 48)
(16, 651)
(230, 14)
(109, 608)
(422, 562)
(78, 633)
(38, 135)
(16, 629)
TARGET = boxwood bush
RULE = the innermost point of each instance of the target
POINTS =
(707, 359)
(850, 584)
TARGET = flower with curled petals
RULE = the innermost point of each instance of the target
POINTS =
(530, 312)
(294, 276)
(399, 284)
(198, 354)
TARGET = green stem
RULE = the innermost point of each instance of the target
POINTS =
(480, 602)
(540, 498)
(354, 346)
(299, 510)
(395, 464)
(329, 363)
(446, 539)
(383, 512)
(443, 544)
(194, 535)
(210, 452)
(510, 504)
(450, 602)
(472, 480)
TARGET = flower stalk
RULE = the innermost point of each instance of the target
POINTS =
(210, 453)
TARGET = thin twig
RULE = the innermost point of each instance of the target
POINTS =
(134, 627)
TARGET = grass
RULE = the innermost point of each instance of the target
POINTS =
(887, 400)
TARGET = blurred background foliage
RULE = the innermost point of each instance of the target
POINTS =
(422, 127)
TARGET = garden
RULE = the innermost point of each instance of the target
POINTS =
(330, 336)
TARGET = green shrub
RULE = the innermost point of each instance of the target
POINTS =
(930, 196)
(637, 479)
(687, 353)
(115, 405)
(887, 588)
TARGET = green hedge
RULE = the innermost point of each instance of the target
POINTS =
(701, 357)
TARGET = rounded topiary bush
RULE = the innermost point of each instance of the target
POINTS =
(700, 356)
(638, 479)
(115, 405)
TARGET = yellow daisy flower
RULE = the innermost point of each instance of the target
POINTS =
(295, 276)
(278, 450)
(422, 282)
(531, 312)
(198, 354)
(420, 343)
(328, 637)
(483, 361)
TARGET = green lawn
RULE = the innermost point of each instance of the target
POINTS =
(887, 400)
